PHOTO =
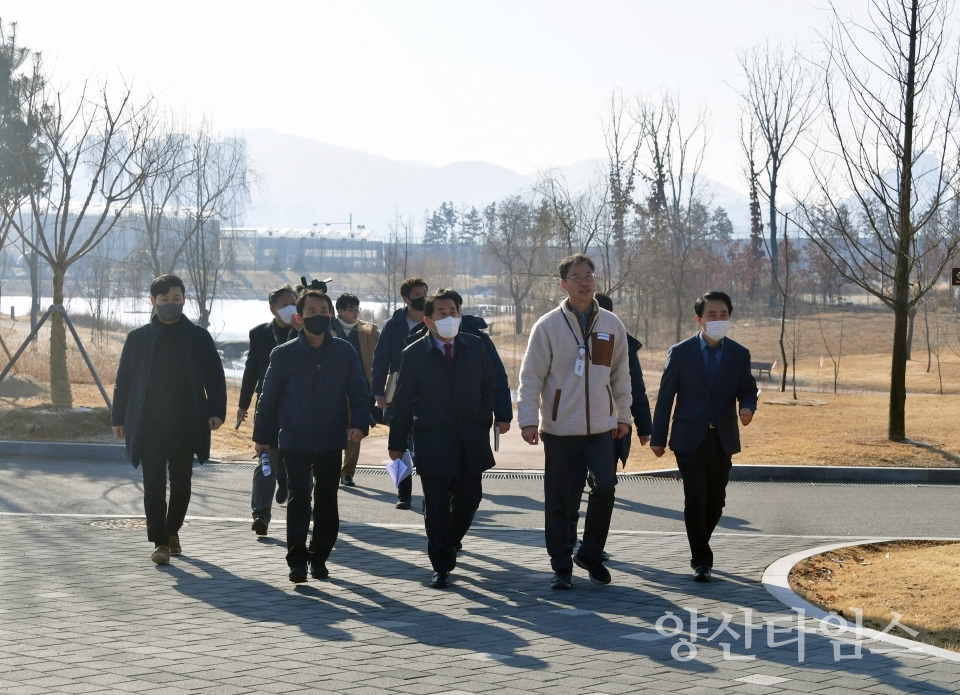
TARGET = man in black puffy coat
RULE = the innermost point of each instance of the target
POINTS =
(304, 403)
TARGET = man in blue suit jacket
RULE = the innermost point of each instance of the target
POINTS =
(707, 374)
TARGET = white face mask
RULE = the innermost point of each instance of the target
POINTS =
(448, 327)
(716, 330)
(286, 313)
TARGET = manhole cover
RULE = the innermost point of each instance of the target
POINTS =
(122, 524)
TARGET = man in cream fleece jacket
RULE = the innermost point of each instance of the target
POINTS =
(575, 394)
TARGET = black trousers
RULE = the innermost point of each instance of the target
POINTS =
(579, 484)
(562, 455)
(449, 507)
(302, 469)
(159, 453)
(705, 474)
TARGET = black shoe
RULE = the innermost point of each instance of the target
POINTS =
(459, 547)
(598, 573)
(441, 580)
(603, 556)
(403, 504)
(282, 494)
(562, 580)
(259, 527)
(298, 574)
(318, 570)
(347, 481)
(702, 574)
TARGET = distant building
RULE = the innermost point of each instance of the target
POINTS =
(312, 249)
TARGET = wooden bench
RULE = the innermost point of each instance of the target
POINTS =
(761, 367)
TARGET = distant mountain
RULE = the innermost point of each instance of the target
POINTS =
(307, 181)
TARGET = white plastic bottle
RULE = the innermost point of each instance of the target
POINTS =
(265, 464)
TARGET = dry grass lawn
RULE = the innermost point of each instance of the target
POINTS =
(850, 430)
(918, 579)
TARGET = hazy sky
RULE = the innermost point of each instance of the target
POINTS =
(518, 83)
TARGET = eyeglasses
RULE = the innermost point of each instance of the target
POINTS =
(577, 279)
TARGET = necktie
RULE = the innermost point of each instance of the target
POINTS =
(448, 351)
(713, 363)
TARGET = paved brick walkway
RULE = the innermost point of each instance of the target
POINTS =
(84, 610)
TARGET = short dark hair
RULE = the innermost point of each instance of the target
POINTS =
(575, 259)
(164, 283)
(438, 295)
(713, 296)
(302, 299)
(274, 296)
(347, 300)
(406, 287)
(604, 301)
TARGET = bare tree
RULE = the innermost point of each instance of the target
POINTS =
(396, 262)
(94, 172)
(891, 102)
(675, 152)
(623, 148)
(777, 110)
(834, 359)
(577, 216)
(213, 195)
(517, 233)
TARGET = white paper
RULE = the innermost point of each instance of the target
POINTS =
(400, 468)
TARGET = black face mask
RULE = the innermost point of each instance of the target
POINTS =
(418, 303)
(317, 325)
(169, 313)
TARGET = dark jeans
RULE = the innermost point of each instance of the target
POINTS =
(562, 456)
(264, 486)
(577, 487)
(449, 506)
(159, 452)
(302, 468)
(705, 473)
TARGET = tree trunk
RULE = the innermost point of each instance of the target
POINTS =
(911, 316)
(60, 395)
(926, 327)
(783, 350)
(896, 427)
(774, 244)
(34, 291)
(517, 315)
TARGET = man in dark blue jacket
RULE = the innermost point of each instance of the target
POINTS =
(707, 374)
(387, 357)
(263, 339)
(639, 410)
(446, 397)
(170, 393)
(304, 402)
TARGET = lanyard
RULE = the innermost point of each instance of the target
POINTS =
(583, 347)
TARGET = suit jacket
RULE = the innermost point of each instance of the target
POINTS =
(262, 341)
(206, 386)
(475, 325)
(685, 378)
(449, 408)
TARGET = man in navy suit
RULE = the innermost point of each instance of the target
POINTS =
(707, 374)
(446, 396)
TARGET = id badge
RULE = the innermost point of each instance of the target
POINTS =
(578, 367)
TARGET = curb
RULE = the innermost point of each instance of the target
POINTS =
(829, 474)
(775, 581)
(64, 450)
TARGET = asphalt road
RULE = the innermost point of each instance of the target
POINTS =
(61, 487)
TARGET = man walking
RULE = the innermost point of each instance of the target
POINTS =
(263, 339)
(387, 357)
(363, 336)
(707, 374)
(575, 394)
(309, 385)
(170, 393)
(639, 409)
(446, 398)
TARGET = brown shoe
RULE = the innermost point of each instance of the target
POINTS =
(175, 548)
(161, 555)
